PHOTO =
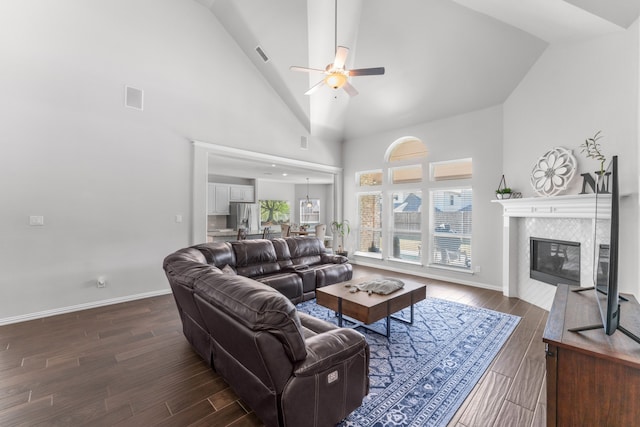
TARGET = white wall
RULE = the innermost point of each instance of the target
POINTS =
(476, 135)
(271, 190)
(574, 90)
(109, 180)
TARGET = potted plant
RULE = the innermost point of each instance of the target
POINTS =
(503, 193)
(591, 148)
(341, 229)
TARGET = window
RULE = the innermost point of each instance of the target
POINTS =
(455, 169)
(310, 214)
(407, 148)
(406, 174)
(369, 178)
(451, 214)
(370, 215)
(406, 232)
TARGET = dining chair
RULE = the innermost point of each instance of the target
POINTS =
(266, 233)
(321, 230)
(242, 234)
(285, 229)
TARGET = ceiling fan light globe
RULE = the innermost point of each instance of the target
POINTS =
(335, 80)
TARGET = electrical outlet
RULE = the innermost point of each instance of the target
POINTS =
(178, 218)
(102, 282)
(477, 269)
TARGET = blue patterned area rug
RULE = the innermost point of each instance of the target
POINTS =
(421, 374)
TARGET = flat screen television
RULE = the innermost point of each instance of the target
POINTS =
(605, 247)
(605, 253)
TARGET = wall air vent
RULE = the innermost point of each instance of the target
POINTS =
(262, 54)
(133, 97)
(304, 143)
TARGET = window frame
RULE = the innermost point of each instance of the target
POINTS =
(301, 208)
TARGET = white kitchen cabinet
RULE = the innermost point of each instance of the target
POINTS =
(241, 193)
(217, 199)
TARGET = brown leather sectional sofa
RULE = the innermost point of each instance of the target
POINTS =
(236, 302)
(295, 266)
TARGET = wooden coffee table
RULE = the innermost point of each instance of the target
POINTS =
(363, 308)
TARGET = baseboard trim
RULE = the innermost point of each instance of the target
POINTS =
(429, 276)
(79, 307)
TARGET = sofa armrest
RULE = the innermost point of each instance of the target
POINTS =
(333, 259)
(328, 349)
(295, 268)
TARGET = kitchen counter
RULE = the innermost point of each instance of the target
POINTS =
(228, 235)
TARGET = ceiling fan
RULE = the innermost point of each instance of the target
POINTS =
(336, 75)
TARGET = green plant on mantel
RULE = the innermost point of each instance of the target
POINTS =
(503, 193)
(591, 148)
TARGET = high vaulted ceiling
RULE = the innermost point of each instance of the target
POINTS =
(442, 57)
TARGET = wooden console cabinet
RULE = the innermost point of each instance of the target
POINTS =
(592, 379)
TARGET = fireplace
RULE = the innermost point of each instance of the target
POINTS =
(554, 261)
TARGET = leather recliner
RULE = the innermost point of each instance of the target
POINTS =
(290, 368)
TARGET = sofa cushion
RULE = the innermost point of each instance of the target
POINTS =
(227, 269)
(186, 265)
(258, 307)
(217, 253)
(255, 257)
(328, 274)
(288, 284)
(305, 250)
(282, 252)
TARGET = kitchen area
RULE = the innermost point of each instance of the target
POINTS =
(234, 188)
(231, 206)
(253, 204)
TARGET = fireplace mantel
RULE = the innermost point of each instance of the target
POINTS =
(572, 206)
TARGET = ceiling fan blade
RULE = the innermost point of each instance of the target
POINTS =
(367, 71)
(341, 57)
(314, 88)
(306, 70)
(350, 89)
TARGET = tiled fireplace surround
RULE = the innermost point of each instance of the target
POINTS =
(560, 218)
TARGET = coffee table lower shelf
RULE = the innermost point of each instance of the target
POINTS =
(358, 324)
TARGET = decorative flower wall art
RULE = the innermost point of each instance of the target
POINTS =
(553, 171)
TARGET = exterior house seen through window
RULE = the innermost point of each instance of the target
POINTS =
(451, 212)
(407, 225)
(370, 214)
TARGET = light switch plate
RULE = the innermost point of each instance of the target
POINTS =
(35, 220)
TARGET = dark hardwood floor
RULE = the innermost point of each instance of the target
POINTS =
(129, 365)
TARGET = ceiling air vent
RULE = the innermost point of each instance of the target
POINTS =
(263, 55)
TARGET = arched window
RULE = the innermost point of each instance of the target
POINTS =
(406, 148)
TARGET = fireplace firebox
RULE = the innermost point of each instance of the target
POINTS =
(554, 261)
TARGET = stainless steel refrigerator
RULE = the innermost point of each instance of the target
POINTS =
(245, 215)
